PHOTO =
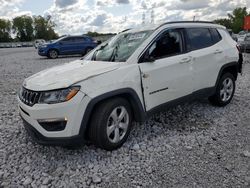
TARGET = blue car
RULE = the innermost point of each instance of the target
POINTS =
(67, 45)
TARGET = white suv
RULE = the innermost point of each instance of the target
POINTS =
(127, 78)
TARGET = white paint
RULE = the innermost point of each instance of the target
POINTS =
(97, 78)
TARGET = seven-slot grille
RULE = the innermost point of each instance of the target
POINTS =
(29, 97)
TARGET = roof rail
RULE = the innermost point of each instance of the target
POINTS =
(186, 22)
(125, 30)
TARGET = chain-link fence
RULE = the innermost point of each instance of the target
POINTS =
(16, 44)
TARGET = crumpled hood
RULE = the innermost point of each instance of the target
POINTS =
(63, 76)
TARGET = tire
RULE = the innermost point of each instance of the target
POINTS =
(52, 54)
(107, 130)
(224, 90)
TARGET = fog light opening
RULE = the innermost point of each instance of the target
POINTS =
(53, 124)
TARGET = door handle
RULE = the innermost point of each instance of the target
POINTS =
(145, 75)
(185, 60)
(218, 51)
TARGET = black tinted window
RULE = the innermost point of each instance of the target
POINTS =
(198, 38)
(168, 44)
(215, 35)
(68, 39)
(80, 39)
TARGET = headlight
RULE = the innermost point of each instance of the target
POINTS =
(57, 96)
(43, 46)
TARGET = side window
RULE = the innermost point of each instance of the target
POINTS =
(215, 35)
(168, 44)
(74, 39)
(80, 39)
(198, 38)
(68, 39)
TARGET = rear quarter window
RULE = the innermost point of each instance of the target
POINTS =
(215, 35)
(198, 38)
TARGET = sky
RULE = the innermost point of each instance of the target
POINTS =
(110, 16)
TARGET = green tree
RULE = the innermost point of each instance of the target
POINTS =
(225, 22)
(95, 34)
(237, 18)
(5, 30)
(235, 21)
(44, 28)
(23, 28)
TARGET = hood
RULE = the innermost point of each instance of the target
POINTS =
(42, 45)
(65, 75)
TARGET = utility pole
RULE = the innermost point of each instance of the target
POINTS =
(152, 17)
(194, 18)
(143, 18)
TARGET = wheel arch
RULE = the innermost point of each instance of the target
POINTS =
(53, 49)
(86, 48)
(127, 93)
(232, 67)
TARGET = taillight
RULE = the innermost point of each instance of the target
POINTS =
(238, 47)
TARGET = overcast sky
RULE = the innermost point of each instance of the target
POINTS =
(80, 16)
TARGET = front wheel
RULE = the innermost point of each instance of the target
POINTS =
(224, 91)
(53, 54)
(110, 124)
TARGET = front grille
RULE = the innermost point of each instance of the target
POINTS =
(29, 97)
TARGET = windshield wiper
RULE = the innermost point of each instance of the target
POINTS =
(101, 48)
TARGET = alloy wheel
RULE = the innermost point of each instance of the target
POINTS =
(53, 54)
(227, 88)
(117, 124)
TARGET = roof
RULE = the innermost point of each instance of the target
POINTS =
(193, 22)
(156, 26)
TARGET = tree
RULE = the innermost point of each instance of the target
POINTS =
(95, 34)
(235, 21)
(23, 28)
(237, 18)
(5, 30)
(44, 28)
(225, 22)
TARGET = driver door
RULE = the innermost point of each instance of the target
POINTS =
(166, 69)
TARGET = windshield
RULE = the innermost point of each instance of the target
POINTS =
(120, 47)
(59, 39)
(242, 33)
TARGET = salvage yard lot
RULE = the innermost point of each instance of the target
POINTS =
(192, 145)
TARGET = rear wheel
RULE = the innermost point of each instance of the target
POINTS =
(87, 50)
(224, 91)
(53, 54)
(110, 124)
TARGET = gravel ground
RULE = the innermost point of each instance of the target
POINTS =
(192, 145)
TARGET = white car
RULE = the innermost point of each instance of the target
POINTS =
(39, 42)
(241, 36)
(126, 79)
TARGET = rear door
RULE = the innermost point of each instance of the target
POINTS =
(166, 69)
(67, 45)
(81, 44)
(207, 55)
